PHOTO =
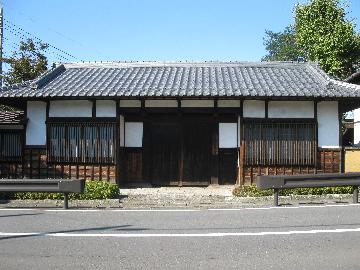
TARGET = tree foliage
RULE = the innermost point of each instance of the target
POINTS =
(27, 63)
(321, 32)
(281, 46)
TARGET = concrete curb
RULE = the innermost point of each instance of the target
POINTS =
(189, 201)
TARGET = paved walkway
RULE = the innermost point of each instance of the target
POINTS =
(183, 197)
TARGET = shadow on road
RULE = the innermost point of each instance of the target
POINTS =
(19, 215)
(118, 228)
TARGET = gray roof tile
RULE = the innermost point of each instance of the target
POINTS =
(184, 79)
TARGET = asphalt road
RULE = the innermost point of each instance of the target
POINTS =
(318, 237)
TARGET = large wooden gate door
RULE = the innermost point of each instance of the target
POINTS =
(196, 152)
(164, 144)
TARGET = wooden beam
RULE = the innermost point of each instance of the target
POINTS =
(241, 172)
(266, 109)
(118, 169)
(93, 110)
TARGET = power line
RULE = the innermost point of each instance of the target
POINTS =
(23, 15)
(16, 28)
(22, 36)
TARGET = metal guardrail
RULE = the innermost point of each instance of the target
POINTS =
(278, 182)
(65, 186)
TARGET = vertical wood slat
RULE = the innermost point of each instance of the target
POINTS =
(279, 143)
(83, 142)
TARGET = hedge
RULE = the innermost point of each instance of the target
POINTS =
(252, 191)
(93, 190)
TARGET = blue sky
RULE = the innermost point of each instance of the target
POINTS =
(152, 30)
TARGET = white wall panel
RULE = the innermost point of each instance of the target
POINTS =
(161, 103)
(70, 108)
(228, 135)
(356, 127)
(291, 109)
(228, 103)
(130, 103)
(328, 124)
(36, 127)
(105, 108)
(254, 108)
(197, 103)
(133, 134)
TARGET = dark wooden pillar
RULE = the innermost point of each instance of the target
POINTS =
(181, 152)
(215, 147)
(241, 152)
(118, 155)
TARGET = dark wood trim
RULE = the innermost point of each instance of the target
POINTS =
(24, 144)
(47, 109)
(81, 119)
(214, 179)
(266, 109)
(181, 152)
(316, 132)
(118, 178)
(93, 109)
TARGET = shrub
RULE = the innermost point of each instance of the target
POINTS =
(252, 191)
(93, 190)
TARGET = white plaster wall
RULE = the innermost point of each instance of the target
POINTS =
(228, 135)
(133, 134)
(356, 114)
(130, 103)
(70, 108)
(197, 103)
(105, 108)
(328, 124)
(36, 127)
(291, 109)
(122, 131)
(254, 108)
(161, 103)
(228, 103)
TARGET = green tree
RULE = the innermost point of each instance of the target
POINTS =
(281, 46)
(27, 63)
(323, 34)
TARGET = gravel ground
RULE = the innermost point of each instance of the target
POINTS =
(181, 197)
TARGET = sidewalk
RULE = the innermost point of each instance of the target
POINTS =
(183, 197)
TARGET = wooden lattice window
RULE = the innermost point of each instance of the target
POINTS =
(284, 143)
(85, 142)
(11, 145)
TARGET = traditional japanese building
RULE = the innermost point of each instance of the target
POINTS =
(176, 123)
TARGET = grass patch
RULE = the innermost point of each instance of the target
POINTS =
(93, 190)
(252, 191)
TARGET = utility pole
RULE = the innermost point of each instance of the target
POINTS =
(1, 44)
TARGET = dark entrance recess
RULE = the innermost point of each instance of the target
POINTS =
(228, 159)
(178, 151)
(197, 152)
(163, 150)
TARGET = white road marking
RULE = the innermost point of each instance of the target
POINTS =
(146, 235)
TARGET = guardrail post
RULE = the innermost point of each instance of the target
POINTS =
(276, 197)
(355, 194)
(66, 201)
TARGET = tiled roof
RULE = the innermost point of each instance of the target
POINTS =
(11, 117)
(184, 79)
